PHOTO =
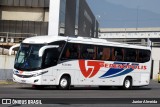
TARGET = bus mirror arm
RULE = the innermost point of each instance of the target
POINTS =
(12, 47)
(42, 49)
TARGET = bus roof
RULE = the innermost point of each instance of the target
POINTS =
(86, 40)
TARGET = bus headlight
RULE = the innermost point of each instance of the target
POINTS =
(41, 73)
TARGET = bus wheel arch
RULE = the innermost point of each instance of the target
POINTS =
(64, 82)
(127, 83)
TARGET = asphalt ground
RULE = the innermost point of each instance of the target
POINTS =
(82, 96)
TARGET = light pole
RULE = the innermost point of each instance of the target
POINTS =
(97, 20)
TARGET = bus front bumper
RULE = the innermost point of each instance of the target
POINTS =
(31, 80)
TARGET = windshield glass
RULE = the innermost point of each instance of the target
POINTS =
(27, 57)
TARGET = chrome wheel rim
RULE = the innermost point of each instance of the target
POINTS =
(63, 82)
(127, 83)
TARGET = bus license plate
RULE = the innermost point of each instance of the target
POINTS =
(24, 81)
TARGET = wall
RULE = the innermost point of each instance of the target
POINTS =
(156, 61)
(20, 13)
(6, 66)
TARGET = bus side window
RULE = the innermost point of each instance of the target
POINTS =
(106, 53)
(113, 55)
(117, 54)
(147, 55)
(99, 53)
(74, 51)
(67, 53)
(103, 53)
(71, 52)
(88, 52)
(140, 59)
(130, 55)
(95, 53)
(144, 56)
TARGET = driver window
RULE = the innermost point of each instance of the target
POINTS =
(50, 57)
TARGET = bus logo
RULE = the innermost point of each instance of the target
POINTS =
(90, 69)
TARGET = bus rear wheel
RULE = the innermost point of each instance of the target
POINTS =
(127, 84)
(64, 83)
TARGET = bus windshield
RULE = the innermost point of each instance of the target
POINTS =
(27, 57)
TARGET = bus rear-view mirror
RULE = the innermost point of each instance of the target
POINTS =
(42, 49)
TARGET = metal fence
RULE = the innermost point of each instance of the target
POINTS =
(9, 37)
(153, 44)
(12, 32)
(23, 27)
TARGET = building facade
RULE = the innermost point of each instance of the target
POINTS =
(25, 18)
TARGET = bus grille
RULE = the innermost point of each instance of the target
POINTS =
(24, 76)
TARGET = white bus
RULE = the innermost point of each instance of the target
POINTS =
(79, 61)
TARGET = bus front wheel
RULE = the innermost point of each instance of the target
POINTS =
(64, 83)
(127, 84)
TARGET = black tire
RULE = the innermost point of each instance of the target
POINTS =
(64, 83)
(127, 84)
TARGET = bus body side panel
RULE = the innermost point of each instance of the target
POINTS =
(141, 77)
(49, 78)
(85, 73)
(68, 68)
(78, 76)
(109, 73)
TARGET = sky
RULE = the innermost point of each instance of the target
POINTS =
(126, 13)
(150, 5)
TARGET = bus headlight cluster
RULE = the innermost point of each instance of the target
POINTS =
(41, 73)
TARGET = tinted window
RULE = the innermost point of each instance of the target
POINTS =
(93, 52)
(117, 54)
(71, 51)
(130, 55)
(104, 53)
(144, 56)
(88, 52)
(50, 57)
(60, 44)
(79, 51)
